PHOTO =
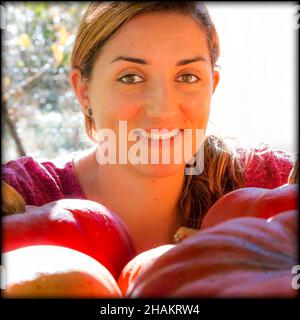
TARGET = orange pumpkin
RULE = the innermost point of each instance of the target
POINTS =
(138, 265)
(56, 272)
(243, 257)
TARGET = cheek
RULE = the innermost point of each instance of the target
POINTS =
(111, 108)
(124, 109)
(197, 109)
(122, 106)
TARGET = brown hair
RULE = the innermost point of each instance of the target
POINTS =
(222, 172)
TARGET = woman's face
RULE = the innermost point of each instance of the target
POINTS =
(155, 72)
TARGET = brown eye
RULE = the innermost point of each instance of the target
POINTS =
(131, 79)
(189, 78)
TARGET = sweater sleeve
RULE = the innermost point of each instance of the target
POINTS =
(267, 168)
(40, 183)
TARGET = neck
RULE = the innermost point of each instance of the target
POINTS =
(147, 204)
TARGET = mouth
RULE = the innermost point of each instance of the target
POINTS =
(157, 134)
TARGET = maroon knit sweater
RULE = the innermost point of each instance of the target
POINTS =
(43, 182)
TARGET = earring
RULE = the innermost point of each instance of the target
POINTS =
(90, 121)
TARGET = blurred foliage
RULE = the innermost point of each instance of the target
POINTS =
(36, 48)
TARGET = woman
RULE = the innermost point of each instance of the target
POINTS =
(151, 64)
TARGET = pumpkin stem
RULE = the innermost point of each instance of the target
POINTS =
(12, 201)
(294, 174)
(182, 233)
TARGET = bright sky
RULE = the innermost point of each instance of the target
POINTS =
(256, 99)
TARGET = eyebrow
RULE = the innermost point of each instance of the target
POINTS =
(187, 61)
(130, 59)
(141, 61)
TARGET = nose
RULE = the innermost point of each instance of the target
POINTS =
(162, 102)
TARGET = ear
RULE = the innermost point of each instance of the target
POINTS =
(216, 79)
(80, 88)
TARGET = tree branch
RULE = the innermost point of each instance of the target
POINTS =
(12, 128)
(25, 83)
(7, 119)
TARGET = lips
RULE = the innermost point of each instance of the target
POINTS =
(157, 134)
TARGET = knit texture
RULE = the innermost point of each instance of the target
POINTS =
(266, 168)
(43, 182)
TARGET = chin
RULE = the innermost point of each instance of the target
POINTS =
(158, 170)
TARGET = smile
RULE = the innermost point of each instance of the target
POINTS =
(157, 134)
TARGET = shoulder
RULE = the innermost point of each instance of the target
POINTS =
(266, 167)
(40, 182)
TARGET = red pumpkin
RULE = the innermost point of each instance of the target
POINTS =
(252, 202)
(139, 264)
(243, 257)
(56, 272)
(82, 225)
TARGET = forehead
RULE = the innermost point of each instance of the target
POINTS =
(157, 34)
(162, 24)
